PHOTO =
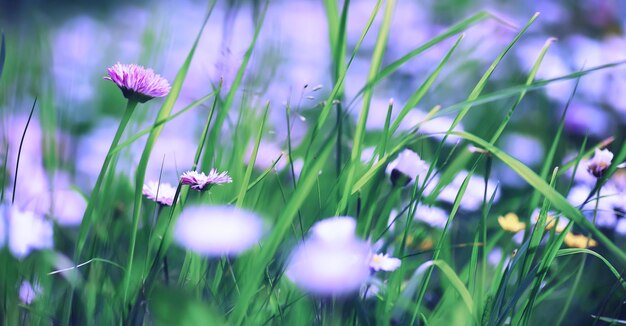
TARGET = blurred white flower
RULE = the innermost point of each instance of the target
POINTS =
(67, 207)
(27, 231)
(474, 193)
(218, 230)
(384, 262)
(406, 168)
(495, 256)
(620, 228)
(435, 127)
(600, 162)
(161, 193)
(28, 292)
(339, 229)
(332, 261)
(268, 153)
(433, 216)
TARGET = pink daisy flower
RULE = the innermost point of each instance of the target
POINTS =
(201, 181)
(161, 193)
(138, 83)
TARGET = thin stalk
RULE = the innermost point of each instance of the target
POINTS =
(91, 204)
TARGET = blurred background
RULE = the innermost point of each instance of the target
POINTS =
(58, 51)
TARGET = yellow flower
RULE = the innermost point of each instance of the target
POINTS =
(426, 244)
(579, 241)
(510, 222)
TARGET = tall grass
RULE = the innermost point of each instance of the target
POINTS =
(125, 270)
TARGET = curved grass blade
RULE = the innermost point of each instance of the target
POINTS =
(19, 151)
(392, 67)
(557, 200)
(161, 122)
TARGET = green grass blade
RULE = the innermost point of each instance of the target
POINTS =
(3, 54)
(164, 112)
(392, 67)
(424, 87)
(246, 179)
(557, 200)
(230, 97)
(159, 123)
(377, 58)
(250, 282)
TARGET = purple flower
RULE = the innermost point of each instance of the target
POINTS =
(138, 83)
(201, 181)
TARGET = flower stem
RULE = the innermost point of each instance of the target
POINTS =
(86, 222)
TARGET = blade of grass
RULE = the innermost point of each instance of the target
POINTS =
(165, 111)
(19, 151)
(557, 200)
(230, 97)
(3, 54)
(161, 122)
(451, 31)
(377, 58)
(257, 263)
(246, 179)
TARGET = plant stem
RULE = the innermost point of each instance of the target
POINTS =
(91, 204)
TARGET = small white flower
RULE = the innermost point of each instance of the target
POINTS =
(218, 230)
(600, 162)
(384, 262)
(28, 292)
(161, 193)
(406, 167)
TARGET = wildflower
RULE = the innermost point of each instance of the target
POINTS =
(27, 231)
(579, 241)
(161, 193)
(600, 162)
(337, 229)
(510, 222)
(218, 230)
(474, 193)
(332, 260)
(433, 216)
(138, 83)
(384, 262)
(67, 207)
(406, 168)
(28, 292)
(201, 181)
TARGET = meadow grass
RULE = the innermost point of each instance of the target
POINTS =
(127, 267)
